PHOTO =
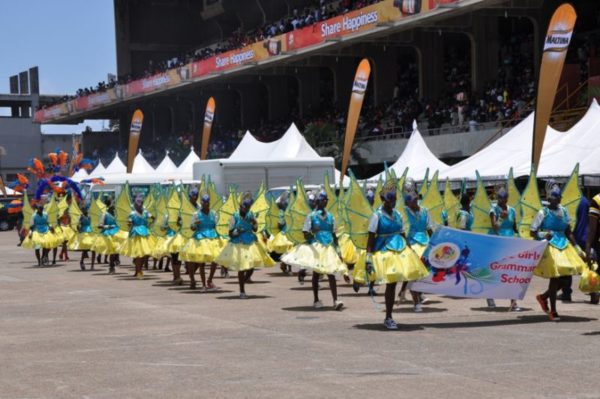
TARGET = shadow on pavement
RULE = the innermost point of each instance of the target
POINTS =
(380, 327)
(311, 309)
(249, 297)
(519, 320)
(426, 309)
(499, 309)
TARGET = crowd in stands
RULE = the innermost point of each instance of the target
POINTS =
(319, 10)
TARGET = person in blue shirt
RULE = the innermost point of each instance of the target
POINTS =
(204, 246)
(243, 253)
(560, 258)
(41, 237)
(140, 242)
(389, 259)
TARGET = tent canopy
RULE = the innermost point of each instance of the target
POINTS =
(115, 166)
(98, 171)
(141, 166)
(166, 166)
(417, 157)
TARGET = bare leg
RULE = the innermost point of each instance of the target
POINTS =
(203, 274)
(93, 257)
(54, 251)
(191, 268)
(242, 282)
(38, 256)
(390, 295)
(315, 286)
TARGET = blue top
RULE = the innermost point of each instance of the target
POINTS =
(40, 223)
(281, 221)
(581, 225)
(389, 230)
(557, 225)
(85, 224)
(110, 224)
(444, 216)
(507, 225)
(139, 224)
(322, 227)
(205, 225)
(245, 227)
(419, 224)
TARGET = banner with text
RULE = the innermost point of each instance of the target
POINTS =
(361, 20)
(467, 264)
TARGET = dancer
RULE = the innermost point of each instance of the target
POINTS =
(204, 246)
(322, 254)
(504, 223)
(388, 258)
(41, 237)
(111, 237)
(243, 253)
(560, 258)
(84, 240)
(67, 233)
(139, 243)
(278, 243)
(419, 232)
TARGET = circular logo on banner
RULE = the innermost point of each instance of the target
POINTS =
(444, 255)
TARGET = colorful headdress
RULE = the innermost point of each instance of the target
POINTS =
(410, 190)
(247, 199)
(205, 198)
(501, 193)
(388, 190)
(322, 195)
(553, 189)
(370, 195)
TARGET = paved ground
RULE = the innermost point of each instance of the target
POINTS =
(71, 334)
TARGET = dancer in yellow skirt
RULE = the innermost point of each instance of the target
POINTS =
(560, 259)
(278, 243)
(111, 237)
(67, 233)
(243, 253)
(322, 254)
(85, 237)
(204, 246)
(41, 236)
(418, 235)
(139, 244)
(388, 258)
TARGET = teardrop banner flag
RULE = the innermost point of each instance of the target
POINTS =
(209, 115)
(134, 137)
(556, 45)
(359, 87)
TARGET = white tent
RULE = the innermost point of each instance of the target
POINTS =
(576, 145)
(250, 148)
(511, 150)
(141, 166)
(185, 171)
(417, 157)
(98, 171)
(167, 167)
(80, 175)
(116, 166)
(292, 145)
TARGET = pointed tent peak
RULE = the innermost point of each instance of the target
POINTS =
(414, 125)
(167, 165)
(292, 145)
(98, 170)
(116, 165)
(139, 151)
(141, 166)
(187, 165)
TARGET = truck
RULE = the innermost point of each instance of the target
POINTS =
(248, 175)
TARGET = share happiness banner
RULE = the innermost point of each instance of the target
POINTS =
(472, 265)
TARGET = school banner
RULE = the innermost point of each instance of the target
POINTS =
(134, 137)
(359, 87)
(209, 115)
(556, 45)
(467, 264)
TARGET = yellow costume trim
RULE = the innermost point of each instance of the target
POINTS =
(202, 251)
(391, 267)
(279, 243)
(138, 247)
(556, 263)
(241, 257)
(323, 259)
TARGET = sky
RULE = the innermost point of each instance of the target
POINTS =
(71, 41)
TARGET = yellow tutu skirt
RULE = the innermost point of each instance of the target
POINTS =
(279, 243)
(106, 245)
(38, 240)
(241, 257)
(391, 267)
(323, 259)
(82, 242)
(350, 254)
(202, 251)
(556, 263)
(174, 244)
(67, 233)
(419, 249)
(160, 247)
(138, 247)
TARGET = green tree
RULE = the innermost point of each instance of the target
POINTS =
(328, 142)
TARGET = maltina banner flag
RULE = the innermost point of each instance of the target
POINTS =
(134, 137)
(556, 45)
